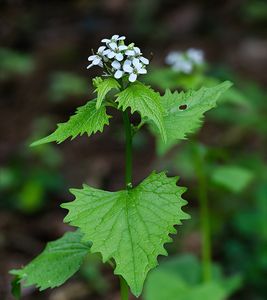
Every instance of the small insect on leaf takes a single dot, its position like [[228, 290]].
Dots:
[[183, 107]]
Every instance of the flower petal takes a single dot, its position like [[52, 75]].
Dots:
[[121, 38], [115, 37], [137, 64], [105, 41], [116, 65], [132, 77], [187, 69], [111, 54], [144, 60], [128, 62], [142, 71], [119, 56], [122, 47], [90, 66], [96, 61], [91, 57], [118, 74], [113, 46], [101, 49], [173, 56], [130, 52], [127, 68], [106, 52], [195, 55], [183, 66], [137, 50]]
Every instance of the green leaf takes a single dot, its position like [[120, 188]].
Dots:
[[180, 278], [234, 178], [13, 62], [67, 84], [183, 112], [130, 226], [57, 263], [143, 99], [86, 120], [103, 86]]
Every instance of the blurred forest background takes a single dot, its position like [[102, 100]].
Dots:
[[44, 47]]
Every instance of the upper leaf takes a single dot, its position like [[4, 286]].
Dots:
[[143, 99], [183, 112], [103, 86], [86, 120], [57, 263], [130, 226]]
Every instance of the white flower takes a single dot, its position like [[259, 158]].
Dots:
[[115, 38], [115, 51], [116, 65], [133, 51], [96, 60], [179, 62], [118, 74], [117, 69], [144, 60], [127, 65], [134, 68], [182, 65], [195, 55], [101, 50], [172, 57], [185, 61], [118, 59]]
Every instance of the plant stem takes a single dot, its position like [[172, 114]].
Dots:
[[128, 155], [128, 182], [206, 252], [124, 289]]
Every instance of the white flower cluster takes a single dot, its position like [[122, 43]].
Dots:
[[119, 60], [185, 61]]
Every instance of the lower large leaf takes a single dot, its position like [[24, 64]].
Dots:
[[130, 226], [58, 262]]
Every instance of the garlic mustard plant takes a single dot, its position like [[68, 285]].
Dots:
[[185, 62], [129, 227]]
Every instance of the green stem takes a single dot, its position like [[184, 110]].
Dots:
[[206, 252], [128, 182], [128, 155], [124, 289]]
